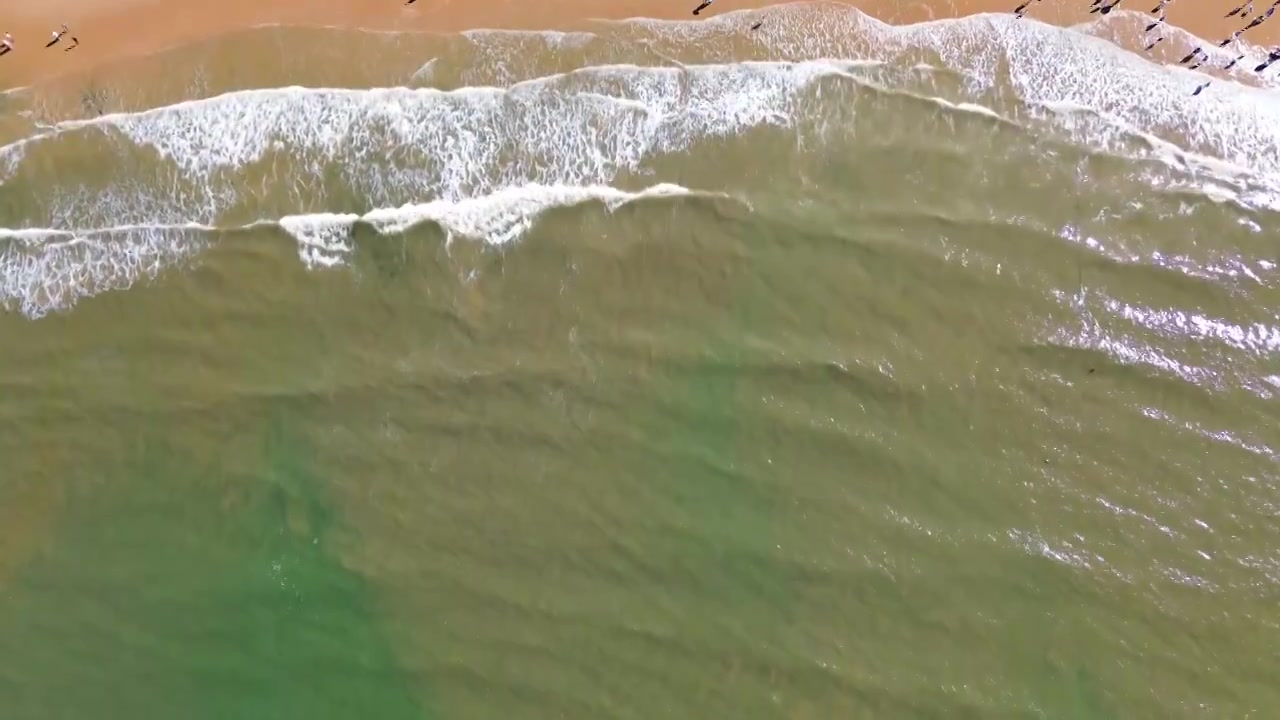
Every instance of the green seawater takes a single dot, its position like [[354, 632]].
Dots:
[[907, 412]]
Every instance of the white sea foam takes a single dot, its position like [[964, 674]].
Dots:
[[1049, 67], [1128, 29], [500, 56], [43, 271], [578, 128], [498, 218], [552, 39], [484, 160], [1046, 66], [477, 148], [425, 73]]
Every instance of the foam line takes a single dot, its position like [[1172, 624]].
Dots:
[[485, 161], [497, 219], [48, 270]]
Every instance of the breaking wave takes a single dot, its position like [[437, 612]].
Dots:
[[483, 161], [45, 270]]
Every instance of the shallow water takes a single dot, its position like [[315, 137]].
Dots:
[[662, 370]]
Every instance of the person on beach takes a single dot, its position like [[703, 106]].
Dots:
[[705, 4], [1262, 18], [1243, 11], [1273, 56], [6, 45], [57, 35], [1105, 9]]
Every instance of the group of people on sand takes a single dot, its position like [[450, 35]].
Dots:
[[6, 43], [1197, 56]]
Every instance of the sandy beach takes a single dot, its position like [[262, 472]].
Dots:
[[113, 30]]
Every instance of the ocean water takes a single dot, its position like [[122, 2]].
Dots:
[[643, 370]]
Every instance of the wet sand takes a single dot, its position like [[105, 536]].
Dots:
[[121, 28]]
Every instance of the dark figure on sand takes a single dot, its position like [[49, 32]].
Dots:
[[56, 37], [6, 45], [1242, 11], [705, 4], [75, 43], [1263, 17]]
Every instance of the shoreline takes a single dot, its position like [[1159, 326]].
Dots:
[[112, 32]]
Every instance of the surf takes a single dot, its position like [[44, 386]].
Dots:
[[317, 159]]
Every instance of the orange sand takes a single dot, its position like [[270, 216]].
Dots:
[[110, 29]]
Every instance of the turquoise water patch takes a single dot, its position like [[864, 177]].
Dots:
[[190, 591]]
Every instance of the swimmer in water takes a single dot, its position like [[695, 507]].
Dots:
[[1154, 43], [757, 26], [1201, 87]]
